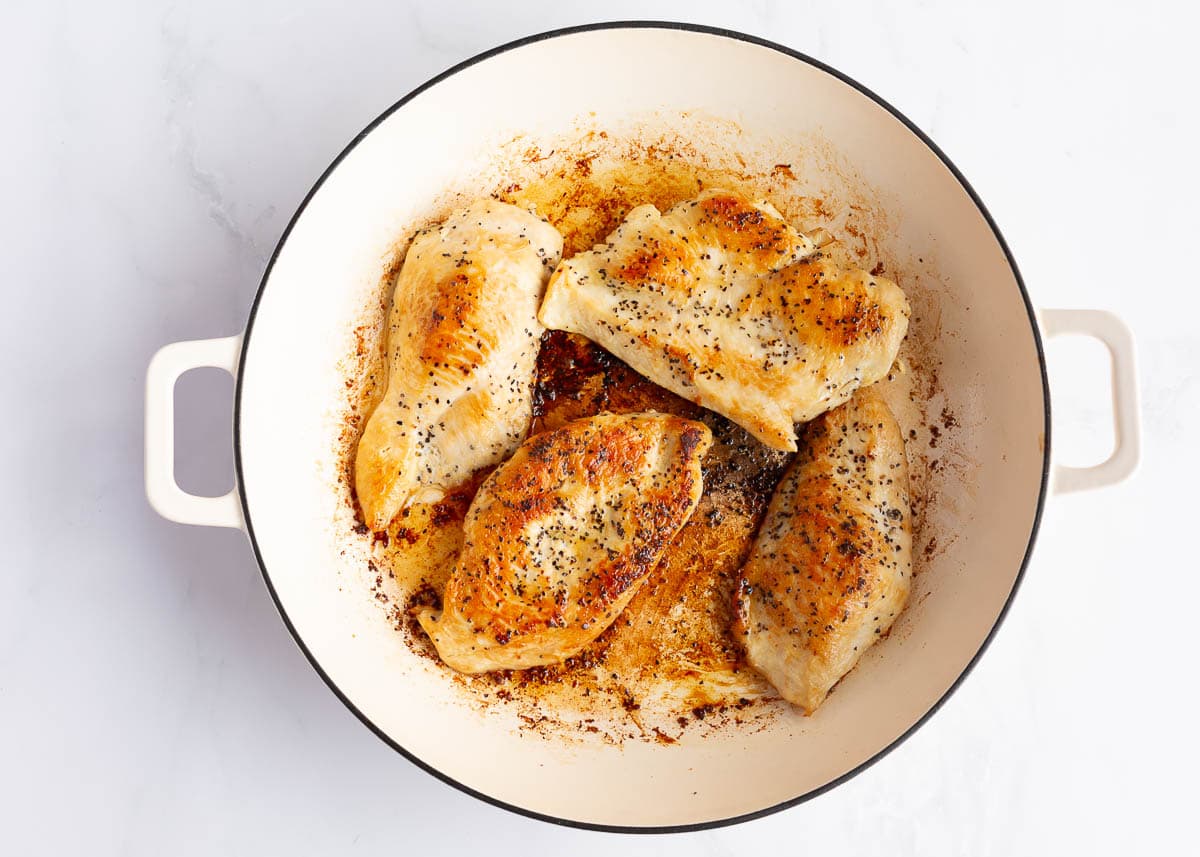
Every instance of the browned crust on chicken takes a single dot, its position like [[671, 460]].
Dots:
[[720, 301], [831, 567], [560, 537]]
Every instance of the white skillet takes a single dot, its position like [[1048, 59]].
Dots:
[[289, 363]]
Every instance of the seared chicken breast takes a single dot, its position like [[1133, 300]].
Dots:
[[462, 344], [722, 302], [831, 567], [561, 536]]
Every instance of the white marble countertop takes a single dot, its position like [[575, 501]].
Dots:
[[151, 701]]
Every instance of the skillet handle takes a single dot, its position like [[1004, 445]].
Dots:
[[1127, 430], [163, 492]]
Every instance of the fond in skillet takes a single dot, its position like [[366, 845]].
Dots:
[[715, 299]]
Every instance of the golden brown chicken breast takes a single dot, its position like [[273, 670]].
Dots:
[[462, 343], [723, 303], [560, 537], [831, 567]]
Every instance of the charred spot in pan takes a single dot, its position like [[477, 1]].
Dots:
[[423, 596], [628, 701], [737, 462], [409, 536], [567, 359]]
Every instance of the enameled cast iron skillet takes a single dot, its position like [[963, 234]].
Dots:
[[289, 367]]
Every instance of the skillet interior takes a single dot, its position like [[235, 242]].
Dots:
[[669, 664]]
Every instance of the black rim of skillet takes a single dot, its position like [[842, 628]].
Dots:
[[712, 31]]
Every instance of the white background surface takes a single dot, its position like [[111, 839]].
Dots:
[[151, 701]]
